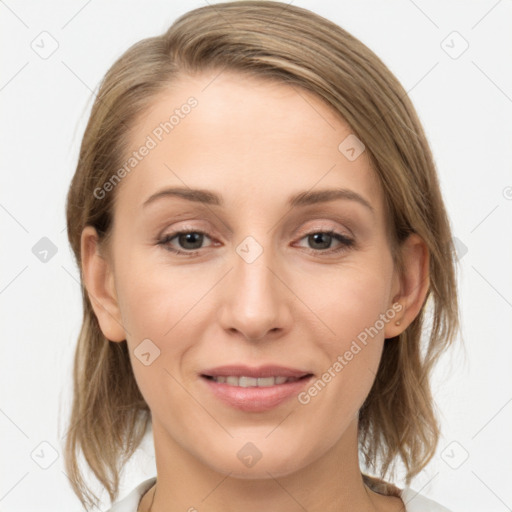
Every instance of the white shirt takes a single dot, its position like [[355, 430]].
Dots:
[[413, 501]]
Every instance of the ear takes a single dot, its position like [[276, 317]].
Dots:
[[99, 281], [410, 288]]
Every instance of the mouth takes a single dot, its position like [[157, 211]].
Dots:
[[254, 389], [253, 382]]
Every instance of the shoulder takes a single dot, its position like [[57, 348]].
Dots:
[[130, 502], [415, 502]]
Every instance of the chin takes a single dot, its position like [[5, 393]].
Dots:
[[264, 468]]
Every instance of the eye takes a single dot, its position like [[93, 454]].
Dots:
[[189, 240], [321, 240]]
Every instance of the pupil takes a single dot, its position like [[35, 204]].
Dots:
[[317, 237], [189, 238]]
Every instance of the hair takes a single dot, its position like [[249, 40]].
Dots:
[[271, 40]]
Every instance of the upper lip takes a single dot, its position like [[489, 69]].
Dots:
[[252, 371]]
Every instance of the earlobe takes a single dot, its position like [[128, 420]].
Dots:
[[99, 282], [413, 284]]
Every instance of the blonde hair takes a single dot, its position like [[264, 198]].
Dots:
[[295, 46]]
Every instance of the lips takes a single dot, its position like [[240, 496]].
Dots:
[[253, 389], [259, 372], [249, 382]]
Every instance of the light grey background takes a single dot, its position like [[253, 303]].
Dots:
[[465, 104]]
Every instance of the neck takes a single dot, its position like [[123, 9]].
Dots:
[[333, 482]]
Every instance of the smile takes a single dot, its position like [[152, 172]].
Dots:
[[249, 382], [254, 394]]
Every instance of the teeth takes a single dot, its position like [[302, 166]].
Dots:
[[247, 382], [266, 381]]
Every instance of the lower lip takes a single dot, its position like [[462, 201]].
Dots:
[[256, 399]]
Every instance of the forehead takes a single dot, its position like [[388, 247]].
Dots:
[[243, 136]]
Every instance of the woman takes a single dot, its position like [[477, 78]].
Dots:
[[260, 231]]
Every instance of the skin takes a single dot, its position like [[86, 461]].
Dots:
[[255, 143]]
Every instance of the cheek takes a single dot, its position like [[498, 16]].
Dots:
[[350, 304], [348, 300], [154, 298], [157, 303], [155, 314]]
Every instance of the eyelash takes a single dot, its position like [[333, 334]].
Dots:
[[346, 243]]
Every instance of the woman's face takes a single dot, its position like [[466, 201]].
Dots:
[[259, 281]]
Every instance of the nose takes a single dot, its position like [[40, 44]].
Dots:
[[255, 301]]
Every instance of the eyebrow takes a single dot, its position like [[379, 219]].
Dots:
[[305, 198]]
